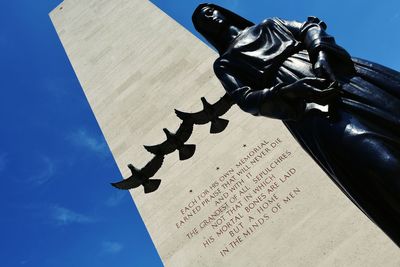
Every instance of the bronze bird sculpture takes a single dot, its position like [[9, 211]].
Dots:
[[142, 176], [210, 113], [176, 141]]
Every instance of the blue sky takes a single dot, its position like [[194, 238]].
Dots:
[[57, 206]]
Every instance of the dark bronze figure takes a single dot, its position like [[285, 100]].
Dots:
[[287, 70], [142, 176], [210, 113], [176, 141]]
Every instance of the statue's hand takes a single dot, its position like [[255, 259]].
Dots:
[[322, 68], [289, 102], [311, 90]]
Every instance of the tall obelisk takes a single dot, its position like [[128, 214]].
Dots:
[[249, 195]]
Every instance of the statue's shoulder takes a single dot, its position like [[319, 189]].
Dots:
[[273, 21]]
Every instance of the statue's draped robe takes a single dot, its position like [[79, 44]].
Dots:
[[357, 142]]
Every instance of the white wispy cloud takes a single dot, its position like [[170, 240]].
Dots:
[[46, 173], [3, 161], [112, 247], [63, 216], [82, 139], [116, 198], [55, 85]]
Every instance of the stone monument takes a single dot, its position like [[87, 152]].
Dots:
[[249, 195]]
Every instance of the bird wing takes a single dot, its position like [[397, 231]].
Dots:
[[164, 148], [184, 131], [129, 183], [183, 115], [152, 166], [196, 117], [223, 105]]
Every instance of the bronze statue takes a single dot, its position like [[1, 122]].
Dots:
[[291, 71]]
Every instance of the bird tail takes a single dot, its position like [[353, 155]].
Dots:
[[218, 125], [186, 151], [151, 185]]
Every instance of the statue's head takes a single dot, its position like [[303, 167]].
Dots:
[[213, 22]]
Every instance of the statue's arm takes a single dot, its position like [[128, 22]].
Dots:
[[282, 101], [266, 102]]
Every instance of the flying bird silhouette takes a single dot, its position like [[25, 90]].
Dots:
[[142, 176], [176, 141], [210, 113]]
